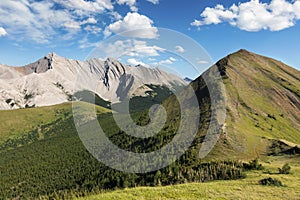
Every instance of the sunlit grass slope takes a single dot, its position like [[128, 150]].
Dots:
[[263, 105], [247, 188], [15, 123]]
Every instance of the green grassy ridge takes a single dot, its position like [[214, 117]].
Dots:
[[262, 96], [247, 188], [15, 124]]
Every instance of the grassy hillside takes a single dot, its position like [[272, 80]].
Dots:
[[14, 123], [247, 188], [17, 123], [263, 105]]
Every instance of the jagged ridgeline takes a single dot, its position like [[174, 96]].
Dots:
[[45, 156], [53, 80]]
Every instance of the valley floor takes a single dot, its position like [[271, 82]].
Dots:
[[247, 188]]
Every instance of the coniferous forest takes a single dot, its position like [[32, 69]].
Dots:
[[58, 165]]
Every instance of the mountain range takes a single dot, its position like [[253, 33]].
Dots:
[[53, 80], [262, 94]]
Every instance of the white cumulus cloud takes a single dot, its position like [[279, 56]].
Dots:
[[135, 24], [179, 49], [173, 59], [93, 29], [35, 20], [253, 15], [133, 48], [154, 1], [202, 62], [41, 21], [130, 3], [134, 62], [90, 20], [168, 61], [83, 7], [2, 32]]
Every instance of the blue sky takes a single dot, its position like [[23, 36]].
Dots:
[[30, 29]]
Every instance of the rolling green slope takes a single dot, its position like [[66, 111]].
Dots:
[[262, 107], [18, 127], [248, 188], [14, 123], [263, 103]]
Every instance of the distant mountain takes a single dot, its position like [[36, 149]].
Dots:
[[51, 80], [187, 79]]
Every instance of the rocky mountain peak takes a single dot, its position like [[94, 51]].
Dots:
[[51, 55], [51, 80], [42, 65]]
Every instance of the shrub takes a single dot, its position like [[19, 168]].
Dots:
[[28, 96], [253, 165], [271, 182], [8, 101], [286, 169], [272, 116]]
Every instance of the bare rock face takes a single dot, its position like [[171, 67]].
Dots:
[[54, 79], [41, 66]]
